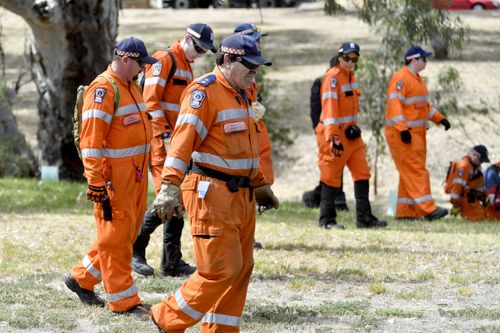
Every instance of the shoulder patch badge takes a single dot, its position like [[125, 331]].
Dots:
[[99, 94], [197, 98], [333, 83], [399, 85], [157, 68]]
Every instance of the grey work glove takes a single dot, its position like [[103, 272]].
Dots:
[[265, 197], [168, 202]]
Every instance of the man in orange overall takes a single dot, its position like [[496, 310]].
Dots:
[[466, 186], [115, 151], [162, 96], [492, 185], [217, 130], [406, 121], [340, 143]]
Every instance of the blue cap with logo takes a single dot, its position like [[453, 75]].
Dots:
[[348, 47], [134, 48], [483, 153], [203, 34], [416, 51], [249, 29], [245, 47]]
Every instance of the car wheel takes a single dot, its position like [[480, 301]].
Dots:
[[478, 7], [182, 4]]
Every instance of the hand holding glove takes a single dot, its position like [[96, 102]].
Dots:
[[406, 136], [168, 202], [265, 197], [337, 147], [445, 123], [96, 193]]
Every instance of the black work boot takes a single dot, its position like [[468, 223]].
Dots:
[[141, 311], [312, 198], [140, 265], [327, 212], [364, 216], [87, 297], [171, 262], [149, 225], [438, 213], [182, 268]]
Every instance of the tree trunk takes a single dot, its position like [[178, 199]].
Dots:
[[72, 42]]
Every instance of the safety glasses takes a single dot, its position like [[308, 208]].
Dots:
[[246, 63], [139, 62], [349, 59], [198, 48]]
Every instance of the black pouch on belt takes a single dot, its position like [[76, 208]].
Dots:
[[352, 132], [232, 184]]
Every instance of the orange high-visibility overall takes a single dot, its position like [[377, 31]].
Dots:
[[408, 108], [467, 177], [162, 99], [115, 151], [339, 109], [216, 128]]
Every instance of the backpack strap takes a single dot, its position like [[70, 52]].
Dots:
[[115, 88], [173, 68]]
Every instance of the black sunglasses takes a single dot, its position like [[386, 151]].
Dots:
[[423, 59], [347, 59], [247, 64], [198, 48], [141, 63]]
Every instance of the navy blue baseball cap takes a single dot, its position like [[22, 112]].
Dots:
[[203, 34], [249, 29], [483, 153], [244, 46], [134, 48], [416, 51], [348, 47]]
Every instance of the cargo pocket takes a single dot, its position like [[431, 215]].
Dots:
[[208, 243]]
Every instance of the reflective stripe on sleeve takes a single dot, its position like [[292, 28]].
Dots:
[[408, 100], [100, 114], [186, 308], [130, 291], [155, 80], [170, 106], [330, 94], [341, 120], [432, 112], [175, 162], [233, 164], [460, 181], [394, 120], [157, 114], [454, 196], [221, 319], [90, 268], [195, 121], [416, 123], [349, 87]]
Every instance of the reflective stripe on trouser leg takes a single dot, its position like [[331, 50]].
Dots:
[[224, 264]]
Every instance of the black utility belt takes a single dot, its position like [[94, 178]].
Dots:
[[233, 183]]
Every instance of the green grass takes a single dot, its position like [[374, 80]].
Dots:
[[305, 279]]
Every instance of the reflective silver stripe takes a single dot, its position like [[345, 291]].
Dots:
[[330, 94], [170, 106], [432, 112], [94, 113], [91, 152], [454, 196], [416, 123], [195, 121], [341, 120], [186, 74], [416, 201], [155, 80], [131, 108], [90, 268], [131, 291], [157, 114], [251, 114], [216, 318], [408, 100], [186, 308], [175, 163], [349, 87], [230, 114], [395, 120], [233, 164], [460, 181], [415, 99], [115, 153]]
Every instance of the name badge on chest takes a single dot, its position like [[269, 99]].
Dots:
[[234, 127], [131, 119]]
